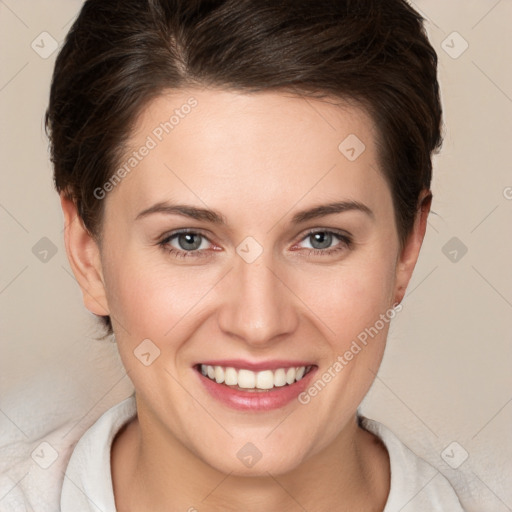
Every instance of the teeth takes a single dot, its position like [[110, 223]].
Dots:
[[247, 379], [290, 375], [219, 374], [265, 379], [280, 378], [230, 376]]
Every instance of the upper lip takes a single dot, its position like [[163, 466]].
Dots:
[[242, 364]]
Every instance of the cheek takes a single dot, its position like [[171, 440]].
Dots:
[[350, 298], [150, 300]]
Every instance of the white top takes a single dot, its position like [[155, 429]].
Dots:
[[415, 485]]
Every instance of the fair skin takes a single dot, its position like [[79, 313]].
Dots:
[[257, 160]]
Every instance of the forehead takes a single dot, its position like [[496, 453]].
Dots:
[[235, 119], [249, 151]]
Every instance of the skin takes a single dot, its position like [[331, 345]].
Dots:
[[257, 160]]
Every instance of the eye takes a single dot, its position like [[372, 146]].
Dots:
[[321, 242], [189, 243], [185, 243]]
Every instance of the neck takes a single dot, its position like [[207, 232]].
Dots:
[[152, 470]]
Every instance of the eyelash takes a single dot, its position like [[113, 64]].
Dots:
[[344, 239]]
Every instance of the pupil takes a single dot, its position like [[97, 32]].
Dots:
[[321, 240], [186, 241]]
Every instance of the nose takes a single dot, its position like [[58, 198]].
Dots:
[[257, 307]]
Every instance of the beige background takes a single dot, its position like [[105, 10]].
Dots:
[[446, 375]]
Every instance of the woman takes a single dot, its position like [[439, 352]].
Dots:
[[246, 187]]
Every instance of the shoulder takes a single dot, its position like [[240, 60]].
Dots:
[[415, 484], [87, 480], [39, 470], [32, 466]]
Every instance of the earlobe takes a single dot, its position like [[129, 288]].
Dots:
[[84, 258], [411, 249]]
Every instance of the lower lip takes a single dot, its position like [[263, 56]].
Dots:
[[256, 400]]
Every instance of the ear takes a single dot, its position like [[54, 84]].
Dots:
[[409, 254], [84, 258]]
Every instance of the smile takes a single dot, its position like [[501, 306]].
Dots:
[[247, 380], [256, 387]]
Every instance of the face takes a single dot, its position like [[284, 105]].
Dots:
[[247, 244]]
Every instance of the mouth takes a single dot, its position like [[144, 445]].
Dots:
[[255, 387], [244, 379]]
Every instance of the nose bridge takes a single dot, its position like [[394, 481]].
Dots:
[[258, 307]]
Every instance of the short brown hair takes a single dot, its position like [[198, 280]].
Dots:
[[121, 54]]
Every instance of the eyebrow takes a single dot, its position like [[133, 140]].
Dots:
[[213, 216], [331, 208]]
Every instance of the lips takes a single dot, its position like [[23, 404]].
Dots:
[[255, 386]]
